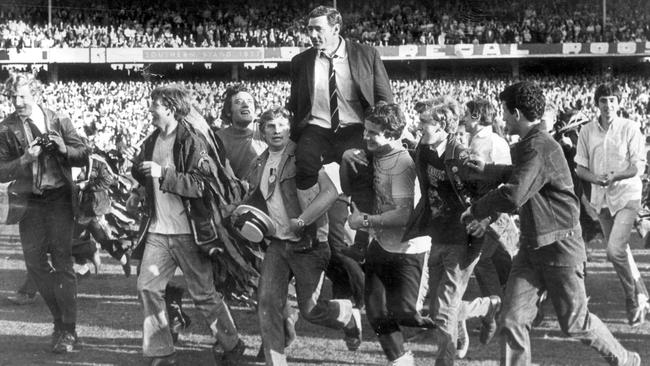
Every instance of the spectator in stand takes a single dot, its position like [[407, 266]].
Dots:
[[108, 111], [195, 24]]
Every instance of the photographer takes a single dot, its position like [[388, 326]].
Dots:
[[38, 147]]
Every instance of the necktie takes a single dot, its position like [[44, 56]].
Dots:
[[31, 132], [334, 103]]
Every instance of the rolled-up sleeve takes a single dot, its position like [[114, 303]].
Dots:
[[636, 153]]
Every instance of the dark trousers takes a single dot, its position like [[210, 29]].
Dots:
[[318, 146], [566, 290], [47, 228], [345, 273], [395, 286]]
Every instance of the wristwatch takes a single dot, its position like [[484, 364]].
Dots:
[[366, 222]]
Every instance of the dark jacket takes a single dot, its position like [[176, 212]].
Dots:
[[286, 178], [185, 180], [13, 144], [95, 195], [539, 185], [368, 75], [445, 228]]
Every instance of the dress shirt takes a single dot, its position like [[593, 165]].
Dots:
[[490, 147], [611, 150], [350, 110]]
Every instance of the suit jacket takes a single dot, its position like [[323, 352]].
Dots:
[[13, 144], [368, 76]]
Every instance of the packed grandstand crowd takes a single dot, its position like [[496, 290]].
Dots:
[[111, 114], [258, 23]]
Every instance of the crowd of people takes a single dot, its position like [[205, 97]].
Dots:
[[111, 113], [267, 24], [274, 195]]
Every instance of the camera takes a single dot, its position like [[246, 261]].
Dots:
[[46, 143]]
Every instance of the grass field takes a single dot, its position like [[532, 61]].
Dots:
[[110, 318]]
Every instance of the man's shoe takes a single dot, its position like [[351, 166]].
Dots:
[[67, 342], [169, 360], [488, 323], [633, 359], [462, 343], [232, 357], [404, 360], [353, 335], [636, 314], [22, 299], [54, 338]]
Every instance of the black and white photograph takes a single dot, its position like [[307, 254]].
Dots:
[[345, 182]]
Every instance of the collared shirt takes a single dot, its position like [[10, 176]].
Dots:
[[612, 150], [490, 147], [350, 110], [45, 171]]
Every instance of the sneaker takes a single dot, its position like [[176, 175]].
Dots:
[[633, 359], [22, 299], [462, 343], [488, 323], [404, 360], [232, 357], [67, 342], [353, 335]]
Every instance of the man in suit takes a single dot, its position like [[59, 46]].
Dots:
[[38, 147], [332, 84]]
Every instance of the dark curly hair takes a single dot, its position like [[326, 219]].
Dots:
[[525, 96], [389, 117], [607, 90], [231, 91], [482, 110]]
